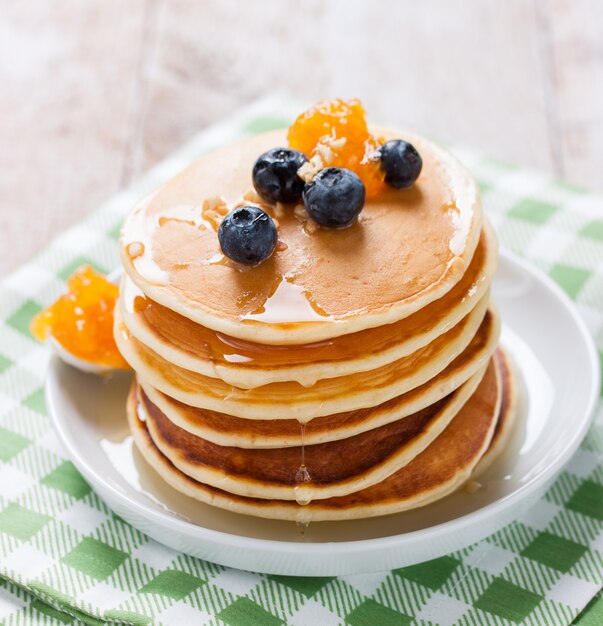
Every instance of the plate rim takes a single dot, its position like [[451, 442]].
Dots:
[[358, 546]]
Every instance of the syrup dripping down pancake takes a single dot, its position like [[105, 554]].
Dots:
[[438, 471], [182, 342], [327, 396], [335, 469], [227, 430]]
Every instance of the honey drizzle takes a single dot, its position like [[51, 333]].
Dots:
[[223, 347], [139, 232], [287, 302], [302, 476], [133, 297], [303, 526]]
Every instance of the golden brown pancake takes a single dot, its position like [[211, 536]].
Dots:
[[227, 430], [327, 396], [508, 414], [441, 468], [191, 346], [330, 469], [408, 248]]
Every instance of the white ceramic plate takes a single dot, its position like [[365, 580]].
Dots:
[[557, 363]]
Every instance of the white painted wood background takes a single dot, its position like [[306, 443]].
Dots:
[[93, 92]]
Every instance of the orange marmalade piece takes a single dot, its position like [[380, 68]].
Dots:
[[82, 319], [335, 134]]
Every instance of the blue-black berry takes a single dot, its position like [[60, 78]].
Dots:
[[247, 235], [275, 175], [401, 163], [335, 197]]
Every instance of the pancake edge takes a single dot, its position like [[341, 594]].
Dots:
[[275, 510], [509, 414], [310, 438], [265, 409], [253, 488], [308, 373]]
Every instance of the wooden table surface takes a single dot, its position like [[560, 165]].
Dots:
[[92, 93]]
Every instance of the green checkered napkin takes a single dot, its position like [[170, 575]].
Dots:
[[66, 559]]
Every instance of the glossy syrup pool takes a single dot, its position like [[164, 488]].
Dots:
[[286, 302]]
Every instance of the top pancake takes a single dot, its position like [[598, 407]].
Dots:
[[408, 248], [245, 364]]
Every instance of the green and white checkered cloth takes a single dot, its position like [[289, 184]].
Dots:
[[66, 559]]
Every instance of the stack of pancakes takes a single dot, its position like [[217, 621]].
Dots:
[[354, 373]]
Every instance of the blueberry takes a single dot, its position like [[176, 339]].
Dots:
[[401, 163], [275, 175], [335, 197], [247, 235]]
